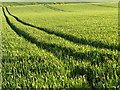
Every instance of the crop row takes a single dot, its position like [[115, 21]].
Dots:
[[74, 39], [35, 38], [50, 7], [67, 64], [102, 33]]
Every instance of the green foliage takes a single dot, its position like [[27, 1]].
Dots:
[[1, 5], [73, 48], [61, 3], [34, 3], [5, 5], [54, 3], [11, 5]]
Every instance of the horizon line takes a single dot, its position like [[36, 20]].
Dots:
[[60, 1]]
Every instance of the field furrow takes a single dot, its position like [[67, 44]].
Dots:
[[56, 46], [104, 36], [45, 48], [53, 8], [97, 44]]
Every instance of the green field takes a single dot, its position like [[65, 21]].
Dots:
[[0, 47], [72, 45]]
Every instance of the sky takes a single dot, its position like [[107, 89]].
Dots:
[[59, 0]]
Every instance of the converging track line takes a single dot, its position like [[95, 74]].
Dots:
[[51, 47], [65, 51], [103, 5], [53, 8], [97, 44]]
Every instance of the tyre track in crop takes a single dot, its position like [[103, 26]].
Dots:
[[53, 48], [103, 5], [65, 51], [87, 71], [97, 44], [48, 47], [53, 8]]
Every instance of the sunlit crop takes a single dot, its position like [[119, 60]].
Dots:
[[61, 46]]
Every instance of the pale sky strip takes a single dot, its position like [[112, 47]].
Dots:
[[59, 0]]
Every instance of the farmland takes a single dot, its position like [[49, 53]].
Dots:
[[0, 47], [60, 46]]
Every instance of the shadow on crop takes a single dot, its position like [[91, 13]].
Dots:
[[53, 8], [87, 71], [97, 44], [55, 49], [103, 5], [62, 52]]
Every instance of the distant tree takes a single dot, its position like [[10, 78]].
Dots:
[[0, 5], [11, 5], [54, 3], [5, 5], [33, 3], [61, 3]]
